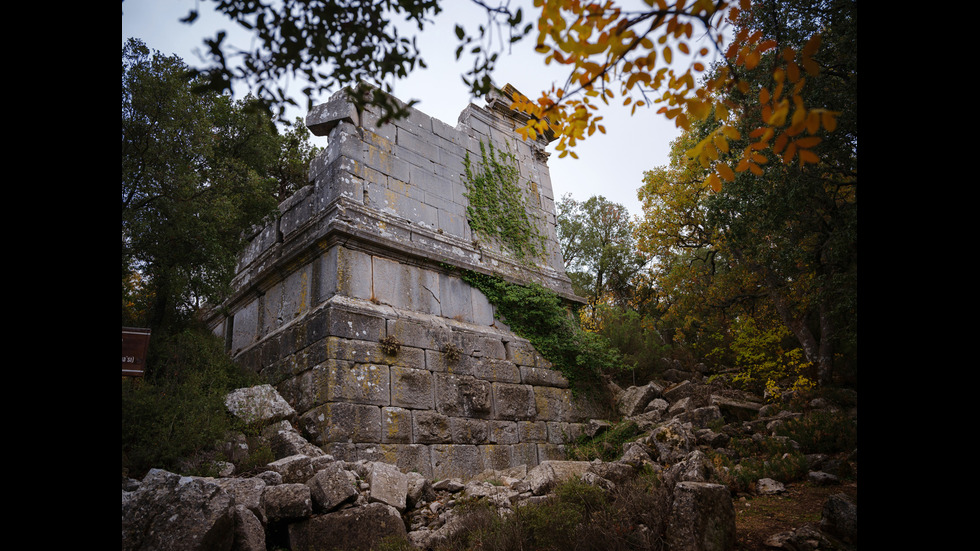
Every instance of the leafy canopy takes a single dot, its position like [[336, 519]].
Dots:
[[198, 171], [616, 54], [659, 53]]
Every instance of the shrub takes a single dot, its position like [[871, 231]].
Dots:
[[577, 516], [607, 446], [826, 432], [636, 339], [177, 410], [765, 364]]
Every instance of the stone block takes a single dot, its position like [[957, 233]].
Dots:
[[287, 501], [429, 333], [553, 404], [396, 425], [494, 370], [409, 458], [388, 485], [372, 352], [462, 396], [341, 451], [468, 431], [539, 376], [325, 117], [455, 460], [560, 432], [532, 431], [551, 452], [521, 353], [497, 457], [503, 432], [456, 298], [346, 272], [702, 518], [479, 345], [245, 326], [343, 422], [431, 427], [330, 487], [513, 402], [525, 454], [357, 383], [411, 388], [354, 325], [355, 528]]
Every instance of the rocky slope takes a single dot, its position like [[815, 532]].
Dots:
[[685, 436]]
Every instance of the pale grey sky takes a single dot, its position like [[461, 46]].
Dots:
[[611, 165]]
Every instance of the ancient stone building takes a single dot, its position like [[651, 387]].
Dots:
[[351, 303]]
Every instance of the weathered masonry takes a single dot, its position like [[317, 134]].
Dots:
[[351, 304]]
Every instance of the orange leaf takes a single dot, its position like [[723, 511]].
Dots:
[[726, 172], [713, 181]]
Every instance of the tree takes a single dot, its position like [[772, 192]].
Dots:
[[198, 170], [778, 242], [600, 252], [612, 54]]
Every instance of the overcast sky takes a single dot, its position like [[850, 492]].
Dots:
[[611, 165]]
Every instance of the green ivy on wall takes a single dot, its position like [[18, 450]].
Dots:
[[496, 203], [540, 316]]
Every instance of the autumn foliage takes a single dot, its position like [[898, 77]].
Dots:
[[664, 55]]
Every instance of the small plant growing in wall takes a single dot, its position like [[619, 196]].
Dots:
[[390, 345], [497, 206], [452, 352]]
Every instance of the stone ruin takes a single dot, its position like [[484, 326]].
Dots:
[[350, 303]]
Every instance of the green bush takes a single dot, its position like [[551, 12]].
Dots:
[[607, 446], [636, 339], [577, 516], [826, 432], [177, 410]]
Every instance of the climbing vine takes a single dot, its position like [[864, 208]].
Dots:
[[497, 207], [539, 315]]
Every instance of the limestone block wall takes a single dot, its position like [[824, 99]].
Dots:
[[351, 303]]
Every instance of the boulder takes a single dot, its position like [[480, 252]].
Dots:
[[287, 502], [249, 532], [356, 528], [672, 441], [635, 398], [548, 474], [295, 469], [702, 518], [388, 485], [331, 487], [839, 518], [258, 404], [173, 512], [736, 410]]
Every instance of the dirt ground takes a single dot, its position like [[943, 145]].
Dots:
[[759, 517]]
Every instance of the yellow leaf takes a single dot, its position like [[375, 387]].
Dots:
[[667, 54], [731, 132], [764, 95]]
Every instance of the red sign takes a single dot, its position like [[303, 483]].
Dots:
[[135, 342]]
